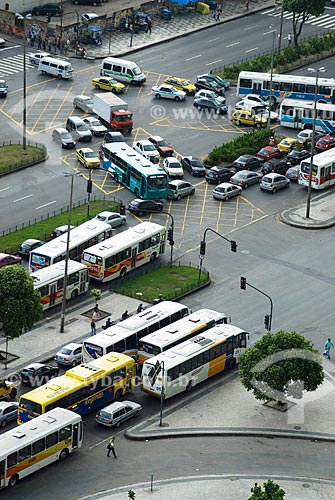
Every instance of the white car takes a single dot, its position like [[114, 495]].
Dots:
[[257, 109], [83, 102], [147, 149], [254, 98], [95, 126], [264, 112], [2, 42], [88, 16], [226, 190], [114, 219], [35, 57], [173, 167], [168, 92], [210, 94]]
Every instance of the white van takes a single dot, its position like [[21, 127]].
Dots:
[[56, 67], [78, 129], [122, 70]]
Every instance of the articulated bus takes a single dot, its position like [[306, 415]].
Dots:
[[146, 180], [292, 86], [193, 361], [26, 449], [82, 389], [323, 170], [125, 251], [49, 281], [153, 344], [125, 336], [81, 237], [298, 114]]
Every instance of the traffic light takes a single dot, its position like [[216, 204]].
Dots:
[[170, 236], [203, 247], [267, 322], [233, 245], [243, 283]]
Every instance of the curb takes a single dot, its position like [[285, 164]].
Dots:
[[286, 219]]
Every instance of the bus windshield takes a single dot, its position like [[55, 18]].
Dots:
[[156, 182]]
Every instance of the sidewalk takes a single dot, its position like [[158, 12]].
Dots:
[[322, 213]]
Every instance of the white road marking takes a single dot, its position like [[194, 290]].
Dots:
[[250, 28], [213, 39], [251, 50], [107, 439], [232, 44], [5, 189], [213, 62], [42, 206], [194, 57], [24, 198], [12, 47]]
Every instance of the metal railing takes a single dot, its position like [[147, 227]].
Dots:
[[24, 162]]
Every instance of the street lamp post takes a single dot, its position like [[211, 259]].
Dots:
[[162, 396], [24, 116], [309, 190], [271, 76], [281, 27], [67, 252]]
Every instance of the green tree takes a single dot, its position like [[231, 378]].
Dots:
[[302, 10], [96, 294], [20, 304], [272, 491], [281, 365], [131, 495]]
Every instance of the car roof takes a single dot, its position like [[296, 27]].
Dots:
[[83, 97], [61, 130], [5, 255], [145, 142], [34, 366], [72, 345], [31, 241], [106, 213], [176, 182], [87, 150], [117, 405], [225, 185], [272, 175], [156, 138], [6, 404]]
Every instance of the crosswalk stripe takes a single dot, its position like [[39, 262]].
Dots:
[[324, 21], [14, 64]]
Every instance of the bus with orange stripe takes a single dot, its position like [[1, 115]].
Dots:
[[125, 251], [33, 445], [188, 364]]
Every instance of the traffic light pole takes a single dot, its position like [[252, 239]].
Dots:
[[233, 247], [243, 285]]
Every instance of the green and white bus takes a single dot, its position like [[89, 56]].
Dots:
[[122, 70]]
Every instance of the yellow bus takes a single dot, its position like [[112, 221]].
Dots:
[[26, 449], [81, 389]]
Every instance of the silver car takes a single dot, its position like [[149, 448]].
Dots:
[[225, 190], [8, 412], [70, 355], [114, 219], [114, 414], [83, 102], [177, 189], [95, 125], [35, 57], [272, 182]]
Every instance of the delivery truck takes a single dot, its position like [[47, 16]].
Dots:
[[113, 111]]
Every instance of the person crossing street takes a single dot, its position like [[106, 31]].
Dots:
[[111, 447]]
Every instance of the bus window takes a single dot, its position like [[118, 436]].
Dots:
[[310, 89], [24, 453], [38, 446], [299, 87], [245, 83], [12, 460], [65, 433], [52, 439]]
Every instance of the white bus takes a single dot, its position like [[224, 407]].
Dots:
[[49, 282], [298, 114], [81, 237], [122, 70], [153, 344], [323, 170], [124, 336], [193, 361], [292, 86], [125, 251], [37, 443]]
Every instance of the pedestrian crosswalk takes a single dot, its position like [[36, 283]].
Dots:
[[14, 64], [325, 21]]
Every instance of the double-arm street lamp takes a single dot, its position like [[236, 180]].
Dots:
[[24, 117], [309, 190]]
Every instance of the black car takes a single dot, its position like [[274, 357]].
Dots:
[[211, 77], [293, 173], [201, 83], [216, 175], [48, 8], [296, 155], [37, 374], [28, 246], [277, 165], [247, 162], [193, 166], [211, 104], [141, 207]]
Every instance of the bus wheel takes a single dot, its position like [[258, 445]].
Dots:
[[153, 257], [63, 455], [59, 76], [13, 480], [123, 272], [118, 395], [74, 294], [189, 386]]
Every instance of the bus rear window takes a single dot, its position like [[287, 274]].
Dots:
[[149, 348], [40, 260], [28, 405], [92, 259]]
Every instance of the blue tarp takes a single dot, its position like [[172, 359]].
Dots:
[[181, 2], [94, 29]]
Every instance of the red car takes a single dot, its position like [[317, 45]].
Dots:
[[163, 147], [7, 259], [269, 152], [326, 142]]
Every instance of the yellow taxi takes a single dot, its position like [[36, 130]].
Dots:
[[243, 117], [287, 144], [108, 83], [181, 84], [88, 158]]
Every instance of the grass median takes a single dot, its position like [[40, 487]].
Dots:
[[13, 157]]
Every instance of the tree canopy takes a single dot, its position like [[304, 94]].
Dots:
[[272, 491], [302, 10], [281, 365], [20, 304]]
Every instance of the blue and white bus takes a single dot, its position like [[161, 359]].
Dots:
[[285, 86], [298, 114], [146, 180]]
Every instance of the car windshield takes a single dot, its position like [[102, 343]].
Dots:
[[104, 414], [162, 143], [323, 141], [90, 154], [101, 217], [185, 82], [295, 153], [66, 135], [2, 84], [137, 71], [95, 123], [88, 102], [265, 152], [113, 81], [173, 165], [66, 351], [240, 175], [149, 147], [196, 163], [267, 179]]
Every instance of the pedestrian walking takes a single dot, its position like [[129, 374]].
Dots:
[[125, 315], [93, 326], [49, 45], [289, 38], [39, 42], [140, 308], [218, 13], [149, 25], [111, 447], [247, 4], [328, 345], [95, 317]]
